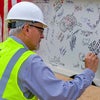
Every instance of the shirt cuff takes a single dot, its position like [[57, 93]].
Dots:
[[90, 74]]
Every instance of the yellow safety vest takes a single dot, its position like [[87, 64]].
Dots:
[[12, 55]]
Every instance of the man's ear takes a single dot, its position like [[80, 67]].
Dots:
[[25, 29]]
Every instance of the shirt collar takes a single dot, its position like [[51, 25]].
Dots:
[[19, 41]]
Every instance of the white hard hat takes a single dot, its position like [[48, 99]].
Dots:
[[27, 11]]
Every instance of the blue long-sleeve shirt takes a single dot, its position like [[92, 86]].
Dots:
[[35, 77]]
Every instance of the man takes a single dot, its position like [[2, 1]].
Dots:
[[23, 74]]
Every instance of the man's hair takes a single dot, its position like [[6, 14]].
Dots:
[[17, 26], [15, 30]]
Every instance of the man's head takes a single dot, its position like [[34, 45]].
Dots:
[[26, 19]]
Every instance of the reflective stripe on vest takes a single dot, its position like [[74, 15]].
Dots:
[[8, 70]]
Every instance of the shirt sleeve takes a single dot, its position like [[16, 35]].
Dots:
[[37, 78]]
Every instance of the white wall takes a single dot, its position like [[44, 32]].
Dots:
[[73, 30]]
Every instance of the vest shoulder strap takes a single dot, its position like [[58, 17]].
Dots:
[[8, 70]]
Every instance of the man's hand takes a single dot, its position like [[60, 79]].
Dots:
[[91, 61]]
